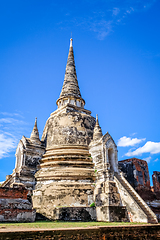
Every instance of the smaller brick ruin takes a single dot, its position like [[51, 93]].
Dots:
[[156, 181], [136, 172], [15, 205]]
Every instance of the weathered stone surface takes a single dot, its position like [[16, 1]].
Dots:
[[104, 155], [155, 206], [70, 84], [112, 214], [118, 214], [111, 190], [65, 194], [97, 134], [135, 213], [84, 214], [65, 177], [70, 91], [68, 126]]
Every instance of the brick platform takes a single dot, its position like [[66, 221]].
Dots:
[[146, 232]]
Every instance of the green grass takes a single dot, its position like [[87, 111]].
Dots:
[[60, 224]]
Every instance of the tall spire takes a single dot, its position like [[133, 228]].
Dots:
[[97, 134], [70, 89], [35, 134]]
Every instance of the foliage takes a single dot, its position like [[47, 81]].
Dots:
[[92, 204]]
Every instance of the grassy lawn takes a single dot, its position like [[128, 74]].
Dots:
[[60, 224]]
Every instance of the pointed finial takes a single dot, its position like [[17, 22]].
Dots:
[[35, 121], [35, 134], [97, 122], [96, 117], [70, 87], [97, 134], [71, 40]]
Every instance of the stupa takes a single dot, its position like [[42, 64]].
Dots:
[[66, 174]]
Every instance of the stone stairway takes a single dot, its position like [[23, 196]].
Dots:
[[149, 213]]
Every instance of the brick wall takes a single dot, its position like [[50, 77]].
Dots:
[[136, 173], [94, 233], [15, 205], [13, 193], [156, 181]]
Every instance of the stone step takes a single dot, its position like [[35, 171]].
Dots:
[[151, 218]]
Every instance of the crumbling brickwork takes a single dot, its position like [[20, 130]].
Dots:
[[156, 181], [136, 172], [13, 193], [15, 205]]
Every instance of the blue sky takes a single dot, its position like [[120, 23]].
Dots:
[[117, 54]]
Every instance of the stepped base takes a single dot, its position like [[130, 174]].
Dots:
[[58, 195], [87, 214]]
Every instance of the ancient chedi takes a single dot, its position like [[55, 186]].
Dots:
[[73, 171], [66, 173]]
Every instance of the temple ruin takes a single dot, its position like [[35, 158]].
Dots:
[[72, 173]]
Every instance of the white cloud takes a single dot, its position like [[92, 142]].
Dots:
[[129, 10], [11, 120], [116, 11], [127, 141], [149, 147], [11, 114], [120, 10], [156, 160], [147, 159], [133, 134], [113, 13], [11, 130], [102, 15], [7, 144], [102, 28]]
